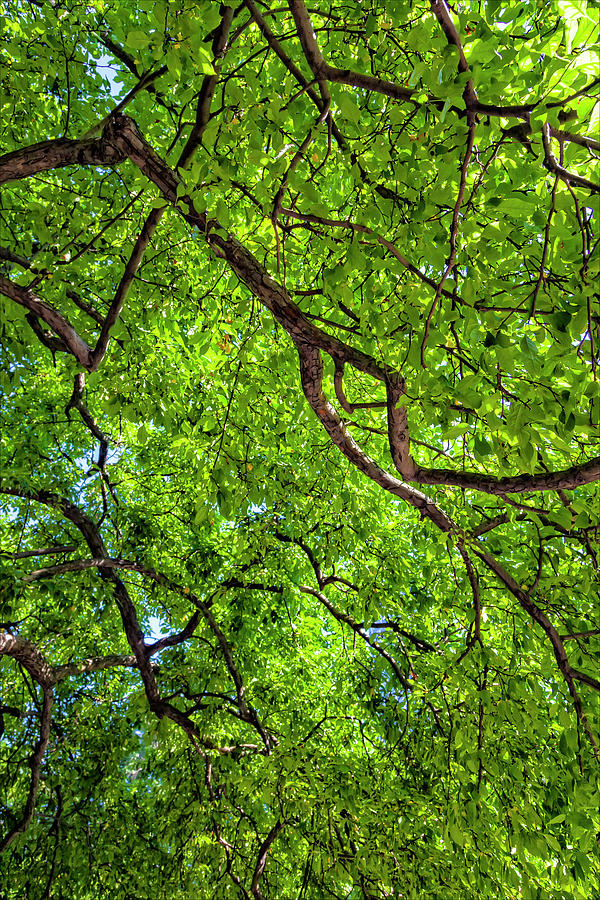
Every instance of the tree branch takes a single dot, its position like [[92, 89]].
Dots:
[[311, 375], [70, 339], [56, 154], [564, 479], [105, 563], [358, 629], [552, 164], [262, 858], [35, 764], [44, 551]]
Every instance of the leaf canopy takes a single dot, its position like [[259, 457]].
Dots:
[[299, 474]]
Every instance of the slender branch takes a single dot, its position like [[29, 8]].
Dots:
[[418, 642], [542, 271], [35, 763], [298, 155], [474, 582], [577, 635], [358, 629], [489, 525], [93, 664], [454, 225], [83, 305], [262, 858], [364, 229], [139, 248], [44, 551], [570, 674], [77, 403], [107, 563], [144, 83], [338, 383], [174, 639]]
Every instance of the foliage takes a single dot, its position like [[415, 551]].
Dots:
[[300, 402]]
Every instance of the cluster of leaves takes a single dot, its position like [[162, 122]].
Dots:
[[238, 656]]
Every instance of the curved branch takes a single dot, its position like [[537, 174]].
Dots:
[[160, 707], [28, 655], [338, 383], [440, 10], [35, 763], [552, 164], [62, 327], [582, 139], [290, 65], [365, 229], [538, 616], [358, 629], [322, 70], [124, 132]]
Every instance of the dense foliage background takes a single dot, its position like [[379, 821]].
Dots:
[[299, 489]]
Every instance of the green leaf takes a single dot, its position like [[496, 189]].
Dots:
[[137, 39]]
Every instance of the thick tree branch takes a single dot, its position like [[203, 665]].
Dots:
[[57, 322], [16, 258], [564, 479], [31, 658], [28, 656], [440, 10], [209, 83], [311, 375], [139, 248], [322, 70], [56, 154], [582, 139], [290, 65], [306, 334]]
